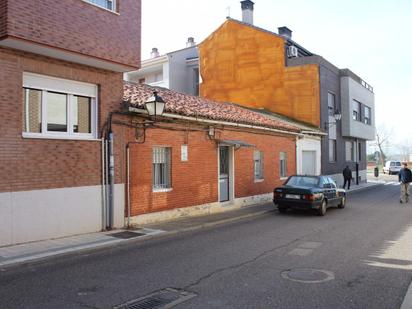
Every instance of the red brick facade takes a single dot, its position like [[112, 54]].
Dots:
[[195, 182], [29, 164], [76, 26]]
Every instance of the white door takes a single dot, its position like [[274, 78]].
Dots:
[[309, 162]]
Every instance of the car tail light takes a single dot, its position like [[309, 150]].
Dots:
[[277, 194], [309, 197]]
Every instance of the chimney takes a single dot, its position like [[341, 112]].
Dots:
[[190, 42], [285, 32], [247, 11], [154, 53]]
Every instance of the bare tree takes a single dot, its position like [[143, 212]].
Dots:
[[383, 140]]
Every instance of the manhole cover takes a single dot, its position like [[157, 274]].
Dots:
[[163, 299], [308, 275], [126, 235]]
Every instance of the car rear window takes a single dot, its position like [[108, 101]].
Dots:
[[302, 181], [398, 163]]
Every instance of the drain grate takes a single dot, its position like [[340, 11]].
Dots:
[[126, 235], [163, 299]]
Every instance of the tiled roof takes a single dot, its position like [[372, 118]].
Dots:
[[192, 106]]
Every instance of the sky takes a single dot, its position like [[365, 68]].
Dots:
[[373, 38]]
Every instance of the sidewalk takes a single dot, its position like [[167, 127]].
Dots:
[[40, 250]]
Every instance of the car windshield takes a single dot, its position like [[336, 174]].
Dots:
[[302, 181]]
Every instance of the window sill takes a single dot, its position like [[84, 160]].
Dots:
[[259, 180], [59, 137], [100, 7], [162, 190], [283, 178]]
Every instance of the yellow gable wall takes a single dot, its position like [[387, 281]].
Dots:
[[245, 65]]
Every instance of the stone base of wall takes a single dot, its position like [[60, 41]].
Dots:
[[199, 210]]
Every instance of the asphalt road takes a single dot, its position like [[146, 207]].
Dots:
[[357, 257]]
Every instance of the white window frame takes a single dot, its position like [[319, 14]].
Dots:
[[70, 88], [283, 165], [258, 165], [113, 9], [167, 151]]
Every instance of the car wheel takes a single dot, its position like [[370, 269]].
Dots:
[[342, 202], [322, 209], [282, 210]]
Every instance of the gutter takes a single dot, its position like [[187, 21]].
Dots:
[[233, 124]]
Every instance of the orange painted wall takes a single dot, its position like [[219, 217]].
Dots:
[[246, 65]]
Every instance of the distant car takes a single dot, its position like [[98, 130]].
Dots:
[[309, 192], [392, 167]]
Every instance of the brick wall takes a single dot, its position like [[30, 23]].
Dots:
[[29, 164], [77, 26], [195, 182]]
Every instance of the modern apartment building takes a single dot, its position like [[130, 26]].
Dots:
[[177, 70], [61, 76]]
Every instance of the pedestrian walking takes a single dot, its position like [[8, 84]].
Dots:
[[405, 177], [347, 176]]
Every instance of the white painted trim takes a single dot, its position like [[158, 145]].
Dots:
[[59, 136], [162, 190]]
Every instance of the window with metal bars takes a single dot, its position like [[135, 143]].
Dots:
[[258, 164], [161, 168], [283, 164]]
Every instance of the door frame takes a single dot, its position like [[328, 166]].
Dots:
[[231, 174]]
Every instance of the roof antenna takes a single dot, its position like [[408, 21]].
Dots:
[[228, 11]]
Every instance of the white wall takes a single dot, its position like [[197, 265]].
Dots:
[[308, 144], [44, 214]]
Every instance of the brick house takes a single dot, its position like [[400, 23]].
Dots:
[[202, 156], [61, 68]]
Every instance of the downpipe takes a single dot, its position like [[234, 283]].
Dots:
[[104, 183], [109, 219]]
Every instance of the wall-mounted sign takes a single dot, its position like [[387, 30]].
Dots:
[[184, 153]]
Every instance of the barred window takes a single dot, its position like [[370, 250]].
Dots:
[[258, 164], [283, 164], [161, 168]]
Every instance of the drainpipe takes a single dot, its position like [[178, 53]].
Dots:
[[109, 220], [104, 196], [128, 186], [357, 163]]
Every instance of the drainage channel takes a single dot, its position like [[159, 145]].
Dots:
[[164, 299]]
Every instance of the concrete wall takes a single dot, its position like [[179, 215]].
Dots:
[[181, 76], [352, 90], [44, 214]]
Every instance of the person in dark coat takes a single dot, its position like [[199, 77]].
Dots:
[[405, 177], [347, 177]]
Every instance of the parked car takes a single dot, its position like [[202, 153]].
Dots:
[[392, 167], [309, 192]]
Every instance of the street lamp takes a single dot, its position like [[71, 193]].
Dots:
[[337, 115], [155, 105]]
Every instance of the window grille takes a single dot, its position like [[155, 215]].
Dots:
[[283, 165], [161, 168]]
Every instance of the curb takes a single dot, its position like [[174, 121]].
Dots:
[[84, 249], [407, 301]]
